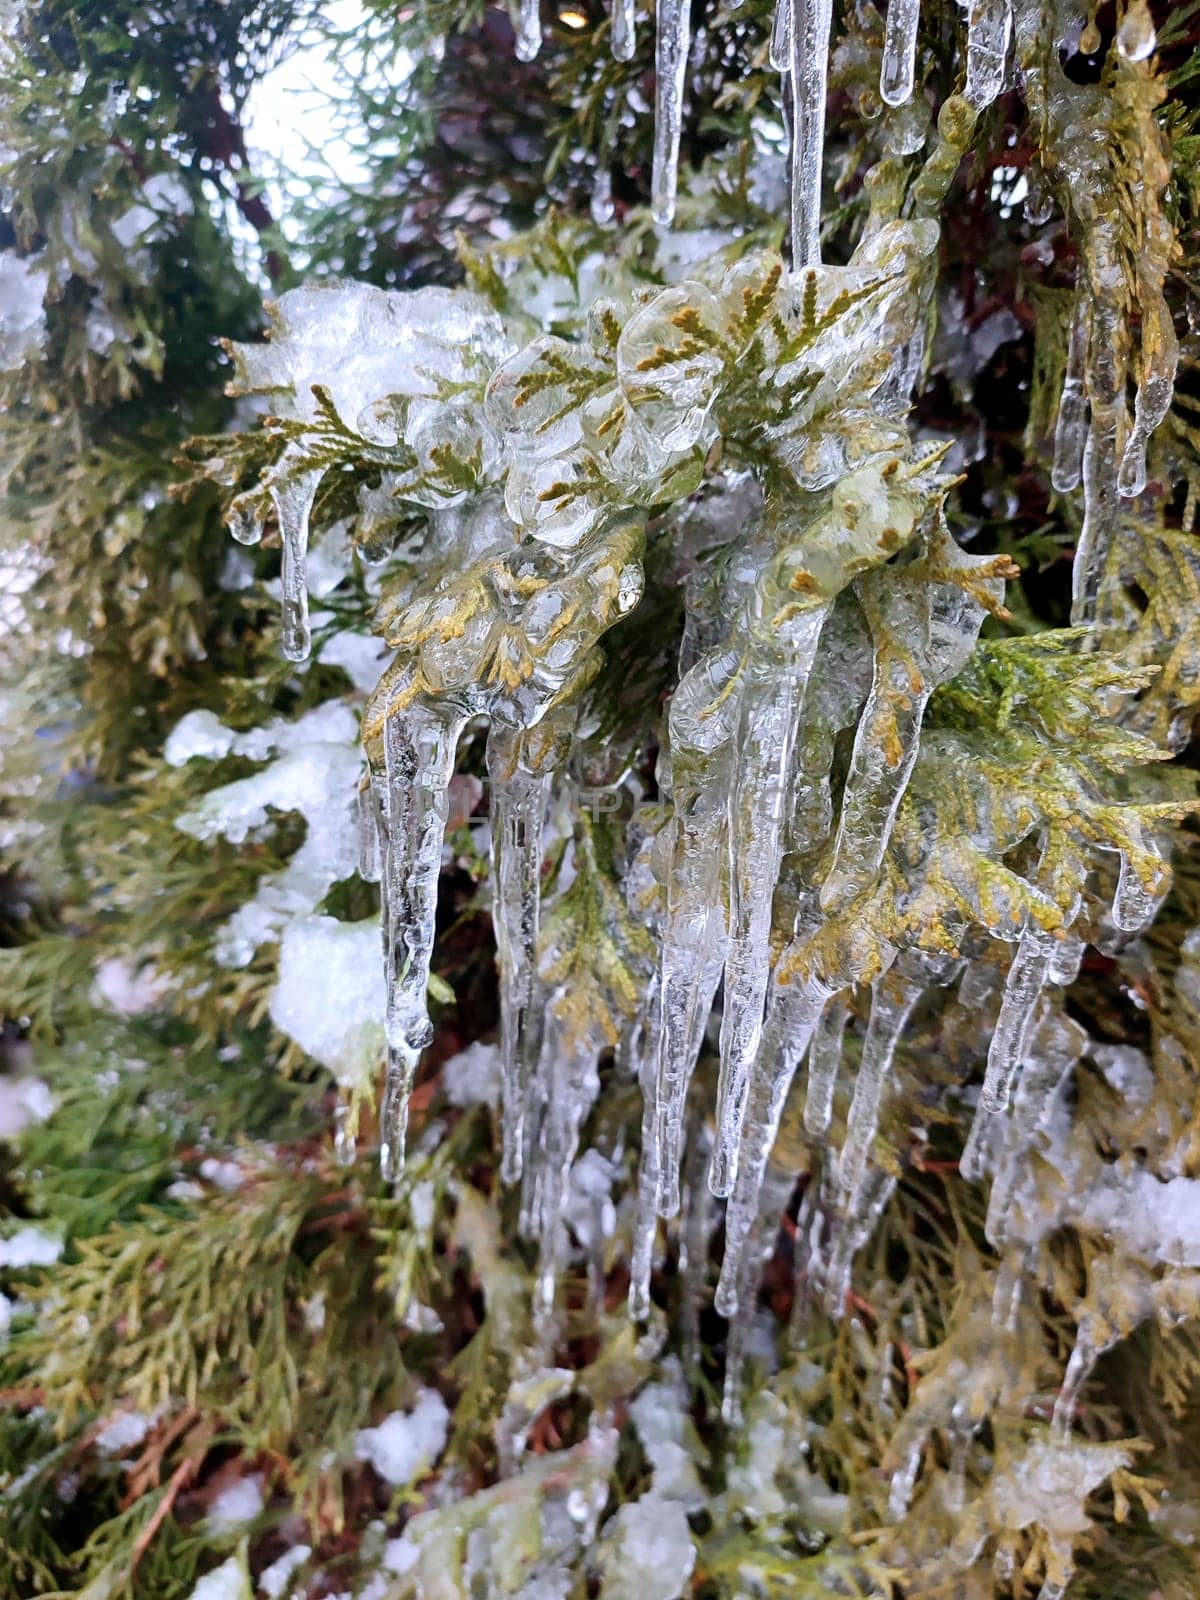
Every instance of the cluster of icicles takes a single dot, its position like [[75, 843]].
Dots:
[[769, 1024], [800, 53], [1088, 448]]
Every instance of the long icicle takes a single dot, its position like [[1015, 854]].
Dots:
[[811, 20], [518, 803], [1027, 977], [758, 806], [824, 1059], [672, 44], [693, 934], [1101, 453], [645, 1222], [1070, 427], [893, 998], [1160, 357], [795, 1011], [293, 500], [419, 745]]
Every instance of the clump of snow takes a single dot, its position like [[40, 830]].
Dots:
[[22, 1101], [664, 1425], [30, 1247], [129, 990], [200, 734], [329, 996], [401, 1555], [226, 1582], [472, 1078], [647, 1551], [362, 656], [406, 1443], [273, 1580], [589, 1210], [316, 774], [237, 1504], [227, 1175], [7, 1309], [124, 1432], [328, 560], [23, 287]]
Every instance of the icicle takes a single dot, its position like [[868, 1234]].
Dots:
[[795, 1011], [518, 803], [1136, 37], [345, 1127], [923, 632], [1066, 959], [673, 42], [776, 1190], [1026, 979], [810, 1232], [293, 499], [368, 835], [624, 29], [602, 195], [567, 1074], [1106, 392], [1039, 199], [858, 1218], [419, 744], [1070, 428], [898, 71], [767, 739], [781, 38], [988, 31], [695, 1231], [1160, 357], [1054, 1051], [645, 1221], [693, 934], [893, 998], [824, 1059], [1079, 1370], [1135, 906], [528, 29], [811, 21]]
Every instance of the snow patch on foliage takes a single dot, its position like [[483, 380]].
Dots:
[[226, 1582], [407, 1442], [320, 957], [30, 1246]]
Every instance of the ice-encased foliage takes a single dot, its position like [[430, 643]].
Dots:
[[859, 803]]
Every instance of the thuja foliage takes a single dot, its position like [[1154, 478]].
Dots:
[[714, 576]]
